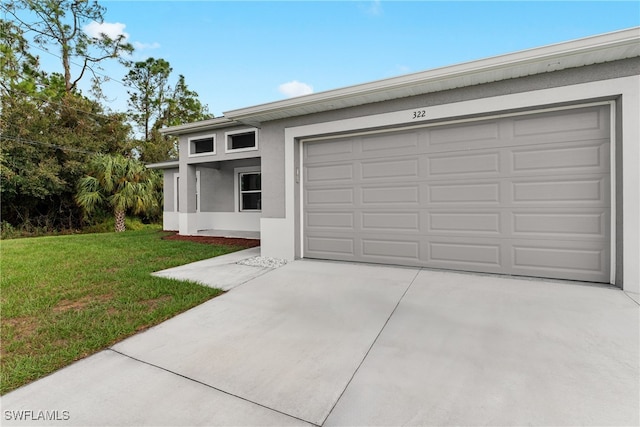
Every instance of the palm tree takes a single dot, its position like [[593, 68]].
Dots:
[[121, 183]]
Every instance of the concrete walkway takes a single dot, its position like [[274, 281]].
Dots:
[[222, 272], [327, 343]]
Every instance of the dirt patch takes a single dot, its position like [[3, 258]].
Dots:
[[223, 241], [23, 326], [79, 304], [154, 303]]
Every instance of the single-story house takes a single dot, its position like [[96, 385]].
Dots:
[[520, 164]]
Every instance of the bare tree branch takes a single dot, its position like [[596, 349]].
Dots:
[[60, 22]]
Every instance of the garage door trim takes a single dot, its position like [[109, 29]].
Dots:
[[444, 122]]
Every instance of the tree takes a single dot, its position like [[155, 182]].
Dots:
[[183, 106], [61, 23], [154, 104], [47, 136], [149, 83], [19, 69], [121, 183]]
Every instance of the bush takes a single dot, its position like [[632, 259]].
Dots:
[[28, 229], [108, 225], [7, 231]]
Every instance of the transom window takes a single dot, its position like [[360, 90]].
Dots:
[[241, 140], [250, 191], [202, 145]]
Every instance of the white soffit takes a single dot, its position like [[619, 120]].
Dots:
[[164, 165], [587, 51], [203, 125]]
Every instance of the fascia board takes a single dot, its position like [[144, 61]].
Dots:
[[164, 165], [204, 125]]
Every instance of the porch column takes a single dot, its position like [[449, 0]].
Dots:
[[187, 200]]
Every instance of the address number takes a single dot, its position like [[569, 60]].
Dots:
[[419, 114]]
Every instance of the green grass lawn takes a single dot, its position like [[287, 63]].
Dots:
[[65, 297]]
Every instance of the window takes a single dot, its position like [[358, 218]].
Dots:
[[241, 140], [250, 191], [202, 145]]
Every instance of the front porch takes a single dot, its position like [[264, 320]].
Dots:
[[238, 234], [214, 198]]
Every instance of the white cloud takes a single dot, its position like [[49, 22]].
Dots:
[[142, 46], [403, 69], [374, 8], [112, 30], [295, 88]]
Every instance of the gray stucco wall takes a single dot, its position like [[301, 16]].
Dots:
[[272, 133], [169, 190], [217, 184], [220, 147], [214, 172]]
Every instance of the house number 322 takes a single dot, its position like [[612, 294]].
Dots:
[[419, 114]]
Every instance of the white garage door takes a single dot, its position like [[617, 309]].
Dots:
[[524, 195]]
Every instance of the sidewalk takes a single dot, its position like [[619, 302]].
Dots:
[[221, 272]]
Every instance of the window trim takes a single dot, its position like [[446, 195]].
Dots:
[[195, 138], [237, 173], [229, 134]]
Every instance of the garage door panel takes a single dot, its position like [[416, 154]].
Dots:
[[399, 143], [569, 158], [330, 173], [561, 259], [385, 221], [464, 193], [456, 222], [484, 163], [575, 224], [391, 249], [384, 195], [328, 151], [526, 195], [557, 258], [562, 190], [460, 137], [330, 245], [464, 254], [330, 220], [329, 196], [400, 168], [551, 125]]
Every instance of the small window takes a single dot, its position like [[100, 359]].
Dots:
[[202, 145], [250, 191], [241, 140]]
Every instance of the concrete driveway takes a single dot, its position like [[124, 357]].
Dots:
[[327, 343]]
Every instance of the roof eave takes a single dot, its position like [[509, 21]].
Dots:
[[527, 62], [203, 125], [164, 165]]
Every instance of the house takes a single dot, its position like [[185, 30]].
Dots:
[[520, 164]]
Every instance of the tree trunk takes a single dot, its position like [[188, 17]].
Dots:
[[120, 221]]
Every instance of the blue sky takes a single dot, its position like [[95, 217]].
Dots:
[[238, 54]]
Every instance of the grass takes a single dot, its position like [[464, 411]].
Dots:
[[65, 297]]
